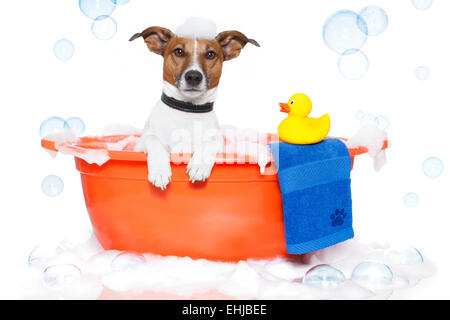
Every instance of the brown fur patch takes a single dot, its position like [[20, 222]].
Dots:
[[174, 66], [211, 67], [156, 38], [232, 42]]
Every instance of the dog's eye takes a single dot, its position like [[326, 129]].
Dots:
[[179, 52], [292, 102], [211, 55]]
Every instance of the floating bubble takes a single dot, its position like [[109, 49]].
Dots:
[[422, 4], [411, 199], [53, 125], [383, 122], [422, 73], [61, 276], [104, 28], [433, 167], [76, 125], [344, 30], [43, 252], [120, 2], [359, 115], [353, 64], [375, 18], [127, 261], [63, 49], [96, 8], [369, 118], [52, 185], [404, 256], [324, 277], [372, 275]]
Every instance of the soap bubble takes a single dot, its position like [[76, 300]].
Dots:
[[433, 167], [324, 277], [353, 64], [104, 28], [127, 261], [52, 185], [342, 31], [372, 275], [61, 276], [359, 114], [404, 256], [76, 125], [383, 122], [53, 125], [96, 8], [375, 18], [63, 49], [43, 252], [422, 4], [369, 118], [422, 73], [120, 2], [411, 199]]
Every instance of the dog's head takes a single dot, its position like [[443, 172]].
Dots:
[[193, 66]]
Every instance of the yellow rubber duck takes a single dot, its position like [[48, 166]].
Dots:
[[297, 128]]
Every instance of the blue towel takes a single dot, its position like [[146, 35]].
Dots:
[[315, 186]]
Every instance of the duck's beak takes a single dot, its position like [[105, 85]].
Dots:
[[285, 107]]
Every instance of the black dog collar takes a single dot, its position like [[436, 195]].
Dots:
[[187, 106]]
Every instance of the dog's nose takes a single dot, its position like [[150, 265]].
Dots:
[[193, 77]]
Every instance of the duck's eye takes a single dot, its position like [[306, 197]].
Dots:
[[179, 52], [292, 102], [211, 55]]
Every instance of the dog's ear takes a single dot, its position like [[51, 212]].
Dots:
[[232, 43], [156, 38]]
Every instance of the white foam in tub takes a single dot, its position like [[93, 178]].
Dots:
[[122, 144], [113, 129], [97, 156], [62, 141]]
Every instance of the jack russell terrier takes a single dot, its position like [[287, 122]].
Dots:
[[183, 120]]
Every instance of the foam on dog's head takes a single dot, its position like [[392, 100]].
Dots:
[[197, 28]]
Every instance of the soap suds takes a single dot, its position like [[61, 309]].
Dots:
[[118, 129], [277, 278], [372, 138], [97, 156], [197, 28]]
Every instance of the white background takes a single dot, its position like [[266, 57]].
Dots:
[[118, 81]]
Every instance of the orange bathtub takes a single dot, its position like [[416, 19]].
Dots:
[[236, 214]]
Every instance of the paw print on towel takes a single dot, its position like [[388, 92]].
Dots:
[[337, 218]]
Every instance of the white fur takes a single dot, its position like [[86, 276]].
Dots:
[[195, 52], [172, 131], [200, 97]]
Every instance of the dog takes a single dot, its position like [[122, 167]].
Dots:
[[183, 120]]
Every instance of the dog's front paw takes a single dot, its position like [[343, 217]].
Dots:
[[159, 178], [198, 170], [159, 170]]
